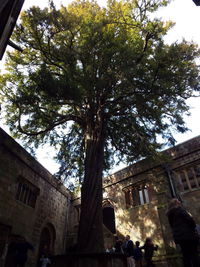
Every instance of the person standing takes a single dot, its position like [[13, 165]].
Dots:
[[138, 254], [21, 248], [184, 232], [129, 251], [149, 249], [45, 261], [118, 245]]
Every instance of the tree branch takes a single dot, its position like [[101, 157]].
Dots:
[[51, 125]]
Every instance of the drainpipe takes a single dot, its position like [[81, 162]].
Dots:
[[66, 230], [172, 186]]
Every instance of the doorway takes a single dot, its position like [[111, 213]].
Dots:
[[47, 240], [109, 218]]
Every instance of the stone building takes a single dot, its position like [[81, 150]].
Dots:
[[33, 204], [136, 197]]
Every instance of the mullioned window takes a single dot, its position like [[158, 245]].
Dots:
[[188, 178], [136, 195], [27, 192]]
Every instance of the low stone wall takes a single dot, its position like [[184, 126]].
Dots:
[[89, 260]]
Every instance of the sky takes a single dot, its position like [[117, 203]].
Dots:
[[186, 15]]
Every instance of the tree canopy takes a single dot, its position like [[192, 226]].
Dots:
[[98, 84]]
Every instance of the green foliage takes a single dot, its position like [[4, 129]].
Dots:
[[84, 65]]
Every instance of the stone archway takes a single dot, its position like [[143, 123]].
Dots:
[[47, 240], [109, 217]]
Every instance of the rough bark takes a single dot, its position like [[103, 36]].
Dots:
[[90, 237]]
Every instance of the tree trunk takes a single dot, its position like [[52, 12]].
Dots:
[[90, 236]]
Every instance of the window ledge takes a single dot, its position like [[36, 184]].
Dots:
[[24, 205], [138, 206], [190, 191]]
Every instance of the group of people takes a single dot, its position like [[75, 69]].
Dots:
[[135, 254], [185, 232], [184, 229]]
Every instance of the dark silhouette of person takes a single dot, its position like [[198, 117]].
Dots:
[[11, 252], [184, 232], [118, 245], [44, 251], [149, 249], [128, 248], [138, 254], [21, 248]]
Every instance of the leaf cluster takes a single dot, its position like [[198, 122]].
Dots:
[[83, 64]]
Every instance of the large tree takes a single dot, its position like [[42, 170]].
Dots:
[[98, 84]]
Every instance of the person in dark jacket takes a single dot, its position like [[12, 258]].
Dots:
[[128, 248], [22, 247], [118, 245], [184, 232], [138, 254], [149, 249]]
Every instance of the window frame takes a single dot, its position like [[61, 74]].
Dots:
[[26, 193], [137, 194], [185, 181]]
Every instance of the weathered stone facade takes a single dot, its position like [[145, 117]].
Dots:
[[33, 203], [139, 195]]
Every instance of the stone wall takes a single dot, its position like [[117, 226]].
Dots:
[[162, 180], [48, 217], [139, 221], [48, 213]]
